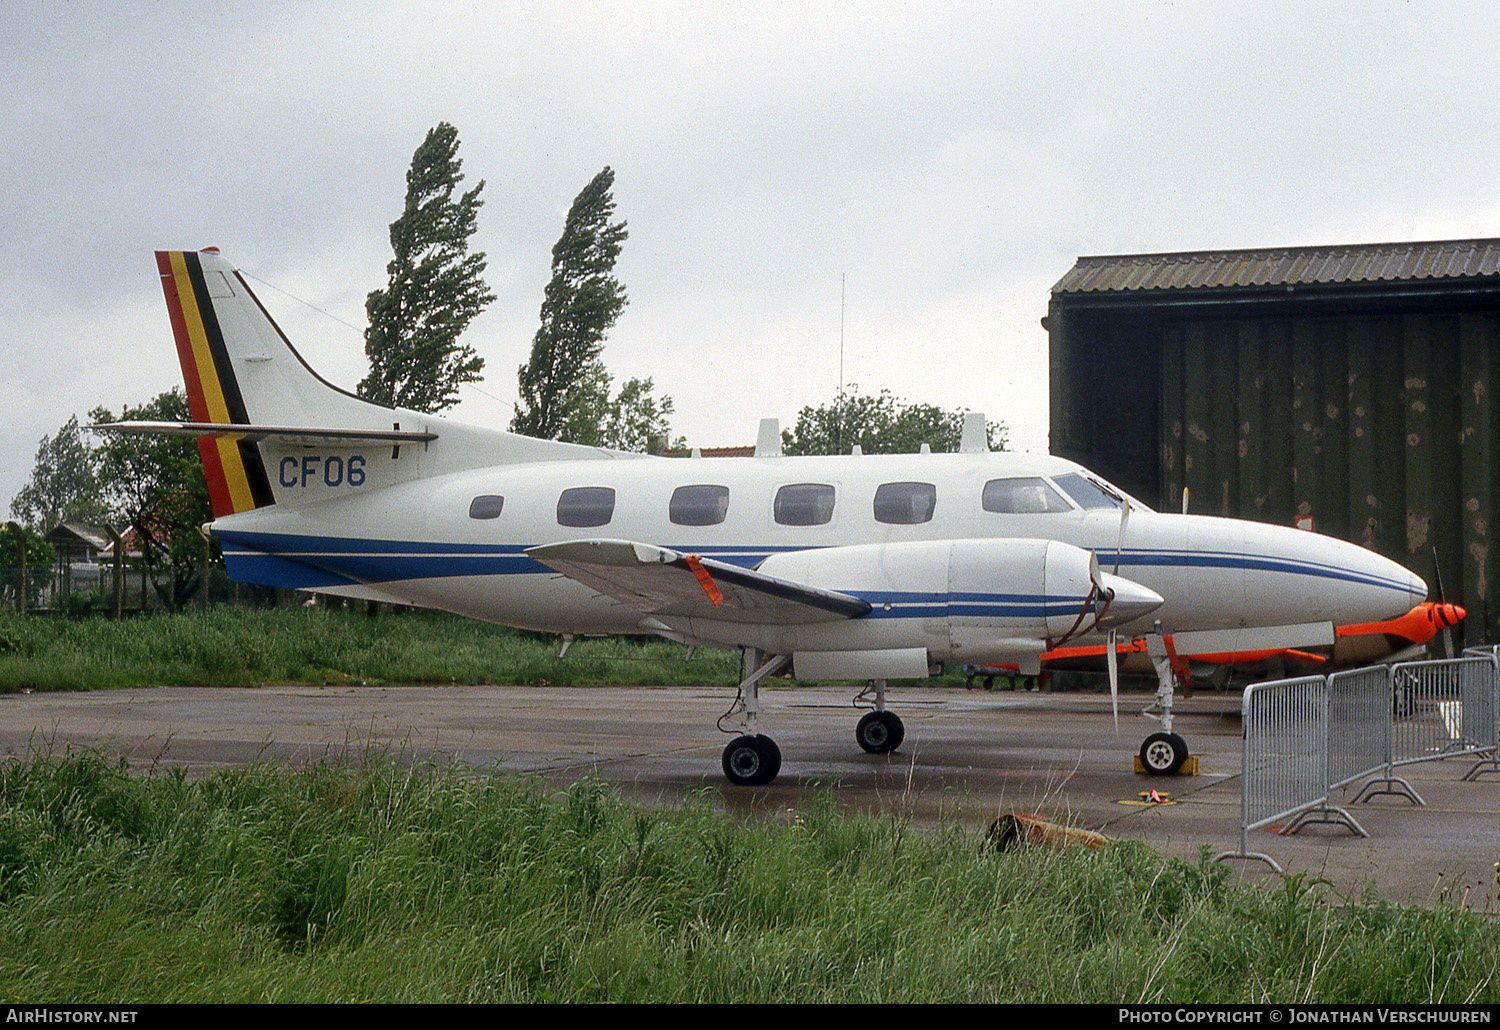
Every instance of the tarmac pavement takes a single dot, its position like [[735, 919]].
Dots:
[[968, 756]]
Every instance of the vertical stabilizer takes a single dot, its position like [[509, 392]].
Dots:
[[308, 440], [237, 478]]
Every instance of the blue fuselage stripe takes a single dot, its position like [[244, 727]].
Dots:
[[308, 562]]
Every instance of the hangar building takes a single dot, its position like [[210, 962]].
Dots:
[[1352, 386]]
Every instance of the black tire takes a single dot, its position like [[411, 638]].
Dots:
[[1163, 753], [898, 729], [879, 733], [750, 761]]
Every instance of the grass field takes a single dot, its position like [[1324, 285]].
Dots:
[[235, 647], [382, 882]]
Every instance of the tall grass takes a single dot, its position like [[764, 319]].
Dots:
[[383, 881], [246, 647]]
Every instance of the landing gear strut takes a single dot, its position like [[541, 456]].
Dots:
[[752, 759], [1163, 753]]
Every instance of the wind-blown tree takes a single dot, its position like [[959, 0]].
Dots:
[[880, 424], [564, 388], [156, 487], [635, 420], [64, 484], [436, 287]]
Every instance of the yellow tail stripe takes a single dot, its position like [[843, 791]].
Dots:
[[235, 477]]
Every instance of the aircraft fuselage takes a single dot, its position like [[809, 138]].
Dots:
[[456, 541]]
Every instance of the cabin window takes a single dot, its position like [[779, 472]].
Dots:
[[1029, 495], [582, 507], [486, 506], [804, 504], [702, 505], [1088, 493], [905, 504]]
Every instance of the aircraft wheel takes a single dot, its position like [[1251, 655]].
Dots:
[[750, 761], [880, 732], [1163, 753]]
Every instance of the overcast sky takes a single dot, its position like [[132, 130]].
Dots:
[[942, 165]]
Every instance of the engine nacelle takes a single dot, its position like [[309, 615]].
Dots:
[[978, 601]]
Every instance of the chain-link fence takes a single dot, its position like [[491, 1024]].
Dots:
[[84, 587]]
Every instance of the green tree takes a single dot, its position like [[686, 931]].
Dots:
[[156, 486], [635, 420], [564, 388], [879, 424], [40, 554], [436, 287], [64, 485]]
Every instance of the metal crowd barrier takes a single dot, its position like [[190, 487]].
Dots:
[[1303, 737], [1284, 755], [1482, 721]]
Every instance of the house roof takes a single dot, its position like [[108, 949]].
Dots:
[[1285, 266], [79, 532]]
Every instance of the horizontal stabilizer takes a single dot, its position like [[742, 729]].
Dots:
[[255, 434], [662, 582]]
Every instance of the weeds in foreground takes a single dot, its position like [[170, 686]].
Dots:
[[387, 881]]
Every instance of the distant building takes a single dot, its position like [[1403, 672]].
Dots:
[[78, 542], [1352, 386]]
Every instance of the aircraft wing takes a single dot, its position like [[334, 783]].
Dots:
[[658, 581]]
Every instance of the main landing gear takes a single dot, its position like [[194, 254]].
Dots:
[[752, 759], [879, 732]]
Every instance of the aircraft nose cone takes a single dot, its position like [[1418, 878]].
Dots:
[[1131, 601]]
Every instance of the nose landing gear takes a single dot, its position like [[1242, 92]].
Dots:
[[1163, 753]]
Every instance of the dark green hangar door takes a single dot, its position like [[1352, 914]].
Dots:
[[1352, 389]]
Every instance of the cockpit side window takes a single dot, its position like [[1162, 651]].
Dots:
[[1029, 495], [1088, 493], [486, 506]]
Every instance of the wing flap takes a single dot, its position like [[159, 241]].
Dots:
[[662, 582]]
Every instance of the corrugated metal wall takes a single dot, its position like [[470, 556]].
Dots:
[[1380, 426]]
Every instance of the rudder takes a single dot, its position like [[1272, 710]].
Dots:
[[236, 475]]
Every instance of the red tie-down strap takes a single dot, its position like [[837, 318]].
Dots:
[[704, 579]]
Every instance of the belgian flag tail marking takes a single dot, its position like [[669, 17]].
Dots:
[[236, 474]]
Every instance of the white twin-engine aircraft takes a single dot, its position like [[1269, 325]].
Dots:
[[854, 567]]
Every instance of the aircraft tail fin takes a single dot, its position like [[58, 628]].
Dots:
[[297, 438], [237, 479]]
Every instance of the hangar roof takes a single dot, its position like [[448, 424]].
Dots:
[[1284, 266]]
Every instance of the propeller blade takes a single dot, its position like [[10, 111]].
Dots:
[[1447, 631], [1114, 681], [1120, 542]]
